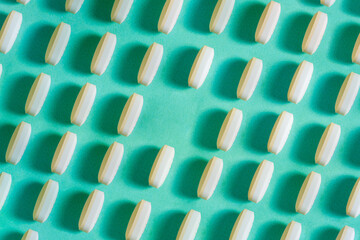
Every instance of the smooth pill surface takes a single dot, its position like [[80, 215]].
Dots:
[[221, 15], [150, 64], [46, 201], [308, 193], [63, 153], [353, 204], [58, 43], [1, 69], [91, 211], [347, 94], [327, 144], [9, 31], [161, 166], [130, 114], [138, 220], [229, 129], [346, 233], [18, 143], [249, 79], [38, 94], [73, 6], [268, 22], [260, 181], [201, 67], [103, 53], [5, 184], [23, 1], [300, 82], [210, 178], [243, 225], [292, 231], [355, 57], [83, 104], [189, 226], [120, 10], [314, 33], [280, 132], [169, 15], [327, 3], [30, 235], [111, 163]]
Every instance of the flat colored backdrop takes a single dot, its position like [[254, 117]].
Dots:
[[185, 118]]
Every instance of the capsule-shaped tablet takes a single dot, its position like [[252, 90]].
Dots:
[[161, 166], [130, 114], [111, 163], [38, 94], [18, 143], [260, 181], [201, 67], [91, 211], [308, 193], [249, 79], [169, 15], [221, 15], [58, 42], [63, 153], [150, 64], [300, 82], [103, 53], [314, 32], [73, 6], [327, 3], [292, 231], [83, 104], [268, 21], [353, 204], [347, 94], [23, 1], [355, 57], [120, 10], [189, 226], [243, 225], [229, 129], [210, 178], [46, 201], [30, 235], [9, 31], [138, 220], [327, 144], [5, 183], [280, 132], [346, 233]]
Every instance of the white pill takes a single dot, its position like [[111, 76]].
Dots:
[[189, 226], [346, 233], [130, 114], [83, 104], [201, 67], [210, 178], [327, 144], [111, 163], [280, 132], [150, 64], [73, 6], [243, 225], [347, 94], [268, 21], [63, 153], [5, 183], [229, 129], [30, 235], [18, 143], [23, 1], [260, 181], [161, 166], [9, 31], [292, 231], [314, 32], [120, 10], [1, 68], [58, 42], [221, 15], [249, 79], [103, 53], [169, 15], [327, 3], [46, 201], [91, 211], [138, 220], [353, 205], [300, 81], [355, 57], [38, 94], [308, 193]]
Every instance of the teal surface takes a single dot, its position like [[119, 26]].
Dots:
[[187, 119]]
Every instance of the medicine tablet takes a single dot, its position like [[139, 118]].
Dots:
[[30, 235], [120, 10], [201, 67], [58, 42], [23, 1], [111, 163], [260, 181], [169, 15], [189, 226], [1, 68], [347, 94], [103, 53], [9, 31], [38, 94], [327, 3], [280, 132], [46, 201], [353, 204], [229, 129], [314, 32], [150, 64], [138, 220], [268, 21], [210, 178], [249, 79], [73, 6], [243, 225], [327, 144], [161, 166], [355, 57], [308, 193], [346, 233], [18, 143], [83, 104], [5, 183], [63, 153], [292, 231], [300, 82], [221, 15], [130, 114], [91, 211]]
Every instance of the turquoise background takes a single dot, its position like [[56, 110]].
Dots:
[[185, 118]]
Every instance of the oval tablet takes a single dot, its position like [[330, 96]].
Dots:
[[83, 104], [58, 42], [280, 132], [229, 129], [150, 64], [260, 181], [120, 10], [308, 193], [23, 1], [327, 3], [161, 166], [38, 94], [210, 178], [111, 163], [91, 211], [355, 57], [5, 183], [327, 144], [249, 79], [346, 233], [9, 31], [73, 6], [268, 21], [18, 143], [130, 114], [221, 15], [169, 15], [46, 201], [103, 53], [243, 225], [353, 204], [138, 220], [347, 94], [201, 67], [292, 231], [314, 32], [63, 153], [300, 82], [189, 226], [30, 235]]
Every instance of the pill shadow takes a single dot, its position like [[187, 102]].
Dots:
[[6, 131], [149, 15], [168, 225], [3, 15], [199, 15], [101, 10], [271, 230], [221, 224], [351, 7], [325, 233], [312, 3], [57, 6], [352, 150], [6, 2], [11, 235]]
